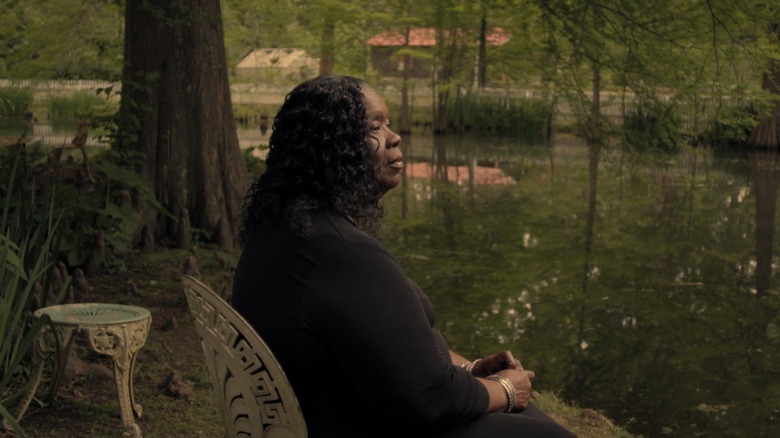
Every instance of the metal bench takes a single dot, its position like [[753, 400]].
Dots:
[[253, 392]]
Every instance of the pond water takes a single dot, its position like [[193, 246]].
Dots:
[[639, 285]]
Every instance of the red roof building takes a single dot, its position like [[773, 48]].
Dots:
[[384, 46], [426, 37]]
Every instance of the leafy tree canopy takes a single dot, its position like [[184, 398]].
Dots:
[[686, 47], [61, 39]]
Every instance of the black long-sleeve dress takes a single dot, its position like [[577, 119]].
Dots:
[[356, 338]]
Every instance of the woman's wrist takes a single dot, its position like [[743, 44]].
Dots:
[[509, 388], [469, 366]]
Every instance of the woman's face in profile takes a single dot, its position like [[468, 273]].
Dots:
[[383, 141]]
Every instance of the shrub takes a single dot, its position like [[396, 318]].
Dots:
[[731, 126], [652, 125], [503, 115], [76, 105], [14, 101], [98, 217], [103, 212]]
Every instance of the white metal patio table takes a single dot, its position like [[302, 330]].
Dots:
[[115, 330]]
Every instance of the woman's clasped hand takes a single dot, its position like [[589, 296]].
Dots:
[[505, 365]]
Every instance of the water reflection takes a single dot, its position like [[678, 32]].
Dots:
[[460, 175], [764, 167], [642, 287]]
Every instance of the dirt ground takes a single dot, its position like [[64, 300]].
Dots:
[[86, 404]]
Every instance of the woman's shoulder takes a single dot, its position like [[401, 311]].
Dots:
[[338, 237], [331, 224]]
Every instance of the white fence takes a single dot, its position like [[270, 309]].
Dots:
[[614, 105], [44, 90]]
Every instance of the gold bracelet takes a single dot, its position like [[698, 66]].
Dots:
[[469, 366], [511, 394]]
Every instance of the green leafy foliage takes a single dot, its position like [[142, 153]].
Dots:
[[102, 210], [108, 211], [61, 39], [28, 240], [14, 101], [512, 115], [254, 164], [75, 105], [732, 126], [652, 124]]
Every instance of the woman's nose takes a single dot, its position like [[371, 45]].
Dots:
[[393, 140]]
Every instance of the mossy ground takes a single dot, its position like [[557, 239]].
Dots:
[[86, 404]]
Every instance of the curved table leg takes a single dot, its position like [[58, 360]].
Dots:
[[45, 344], [65, 341], [122, 342]]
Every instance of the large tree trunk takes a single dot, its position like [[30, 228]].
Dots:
[[176, 111]]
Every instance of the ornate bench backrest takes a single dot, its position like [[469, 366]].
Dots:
[[254, 394]]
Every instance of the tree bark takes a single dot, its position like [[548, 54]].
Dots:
[[404, 122], [446, 41], [176, 111], [594, 129], [482, 57], [328, 47]]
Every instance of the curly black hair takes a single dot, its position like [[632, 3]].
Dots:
[[318, 157]]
